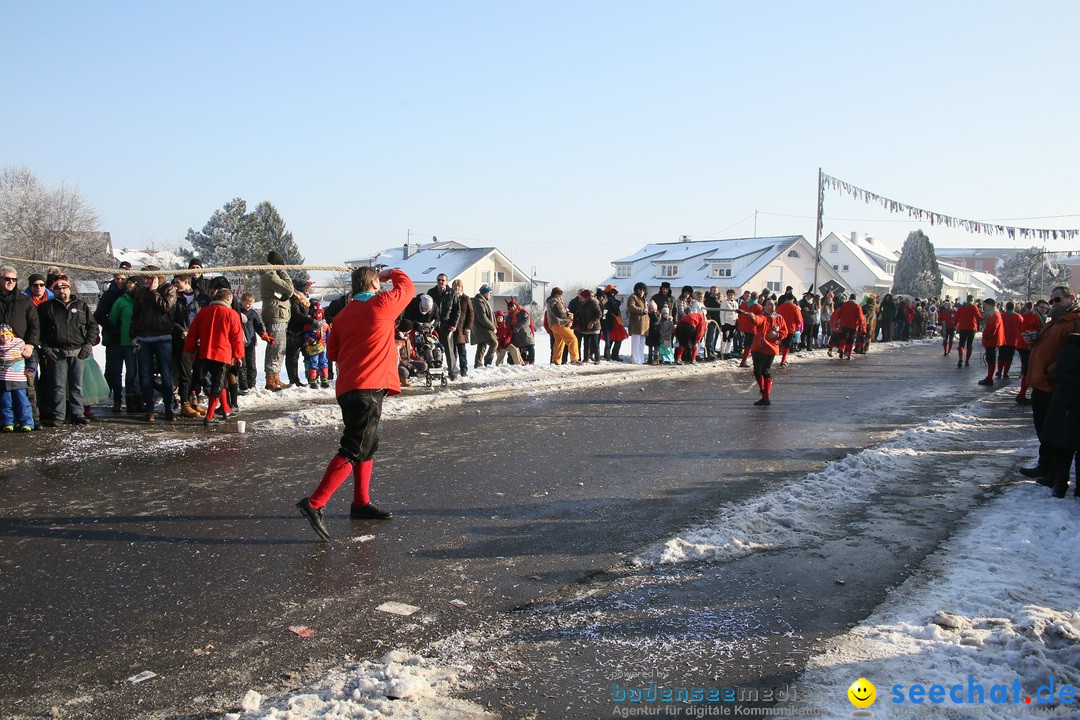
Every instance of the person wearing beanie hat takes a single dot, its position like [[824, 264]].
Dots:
[[504, 334], [15, 411], [275, 290], [664, 297], [637, 315], [37, 290], [483, 329]]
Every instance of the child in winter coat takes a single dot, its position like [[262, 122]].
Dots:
[[14, 405], [652, 339], [315, 362], [504, 336], [218, 338], [524, 335], [667, 332]]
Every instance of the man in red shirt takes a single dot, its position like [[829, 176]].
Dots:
[[947, 315], [968, 318], [850, 320], [1011, 323], [745, 324], [363, 346], [793, 317], [769, 330], [993, 337]]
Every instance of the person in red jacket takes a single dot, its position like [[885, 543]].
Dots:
[[363, 346], [745, 324], [947, 315], [993, 337], [968, 318], [689, 331], [1011, 323], [793, 317], [849, 318], [769, 330], [218, 337], [1033, 320]]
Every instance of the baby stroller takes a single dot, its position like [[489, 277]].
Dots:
[[430, 350]]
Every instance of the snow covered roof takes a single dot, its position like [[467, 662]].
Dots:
[[425, 262], [863, 255], [165, 259], [697, 256]]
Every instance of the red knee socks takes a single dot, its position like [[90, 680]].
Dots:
[[783, 356], [211, 405], [336, 472], [225, 408], [361, 496], [766, 387]]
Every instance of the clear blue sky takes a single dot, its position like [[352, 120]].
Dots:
[[566, 133]]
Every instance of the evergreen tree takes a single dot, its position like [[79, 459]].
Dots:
[[270, 234], [917, 272], [1031, 274], [227, 237]]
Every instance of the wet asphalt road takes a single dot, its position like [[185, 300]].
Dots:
[[192, 562]]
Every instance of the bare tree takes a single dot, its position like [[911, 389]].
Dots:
[[48, 225]]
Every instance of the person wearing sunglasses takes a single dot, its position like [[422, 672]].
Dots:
[[36, 290], [1045, 349], [68, 335], [17, 311]]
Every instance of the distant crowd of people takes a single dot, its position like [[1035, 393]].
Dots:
[[192, 340]]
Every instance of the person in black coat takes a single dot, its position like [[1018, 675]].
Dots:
[[68, 336], [1061, 430]]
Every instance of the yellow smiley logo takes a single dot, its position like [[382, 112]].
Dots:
[[862, 693]]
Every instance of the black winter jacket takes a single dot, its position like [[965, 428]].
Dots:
[[19, 311], [68, 329], [153, 313], [447, 309]]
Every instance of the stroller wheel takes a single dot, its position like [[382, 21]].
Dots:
[[444, 381], [429, 381]]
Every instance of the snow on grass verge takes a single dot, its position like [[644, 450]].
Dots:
[[808, 511], [999, 601]]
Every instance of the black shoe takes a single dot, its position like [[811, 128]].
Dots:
[[1021, 400], [170, 414], [314, 517], [79, 421], [49, 424], [369, 512], [764, 401], [452, 376], [1045, 481], [986, 381], [216, 420], [1060, 490], [1034, 472], [959, 363]]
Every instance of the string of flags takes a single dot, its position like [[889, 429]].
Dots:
[[939, 218]]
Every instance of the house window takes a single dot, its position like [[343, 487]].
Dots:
[[669, 271], [835, 267], [774, 286], [890, 268], [428, 271], [500, 277], [793, 253], [846, 268], [485, 276], [978, 265], [622, 270], [720, 271], [834, 247]]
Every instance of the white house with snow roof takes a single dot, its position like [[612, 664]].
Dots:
[[866, 265], [473, 266], [739, 264]]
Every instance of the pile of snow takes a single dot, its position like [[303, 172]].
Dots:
[[400, 685], [1000, 600], [809, 511], [165, 259]]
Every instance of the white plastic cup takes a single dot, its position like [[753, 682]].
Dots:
[[241, 426]]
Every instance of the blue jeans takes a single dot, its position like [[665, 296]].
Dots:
[[162, 351], [117, 357], [65, 384], [12, 402]]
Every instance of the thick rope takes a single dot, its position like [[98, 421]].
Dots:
[[178, 271]]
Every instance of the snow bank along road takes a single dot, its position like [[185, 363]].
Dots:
[[647, 523]]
